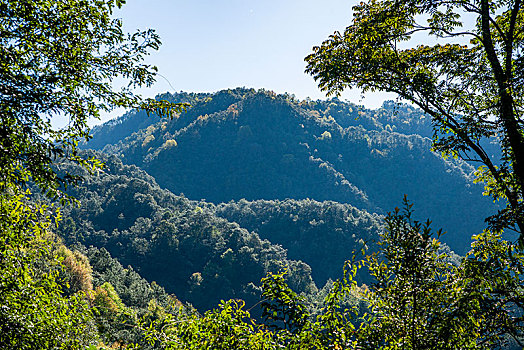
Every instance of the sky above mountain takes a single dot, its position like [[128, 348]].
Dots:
[[209, 45]]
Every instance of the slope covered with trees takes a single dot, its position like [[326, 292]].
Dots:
[[184, 247], [322, 234], [60, 58], [257, 145]]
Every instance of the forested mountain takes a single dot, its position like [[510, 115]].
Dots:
[[256, 145], [184, 247], [322, 234], [202, 252], [293, 188]]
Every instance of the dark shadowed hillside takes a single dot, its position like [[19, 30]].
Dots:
[[256, 145], [185, 248], [322, 234]]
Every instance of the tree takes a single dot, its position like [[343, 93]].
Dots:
[[34, 312], [490, 281], [422, 299], [411, 291], [470, 81], [59, 59]]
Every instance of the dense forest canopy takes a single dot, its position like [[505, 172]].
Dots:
[[469, 82], [249, 144], [317, 176], [58, 60], [181, 245]]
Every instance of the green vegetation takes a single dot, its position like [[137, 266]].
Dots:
[[420, 301], [401, 287], [469, 82], [257, 145], [308, 229], [58, 61], [182, 245], [34, 313]]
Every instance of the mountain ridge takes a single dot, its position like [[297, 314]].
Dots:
[[255, 145]]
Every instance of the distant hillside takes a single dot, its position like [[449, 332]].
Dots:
[[185, 248], [322, 234], [257, 145], [391, 117]]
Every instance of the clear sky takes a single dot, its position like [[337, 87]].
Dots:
[[210, 45]]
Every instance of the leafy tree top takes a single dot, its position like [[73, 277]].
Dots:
[[469, 82], [60, 59]]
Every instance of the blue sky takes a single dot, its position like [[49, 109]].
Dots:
[[210, 45]]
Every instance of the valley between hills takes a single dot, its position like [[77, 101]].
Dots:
[[244, 182]]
